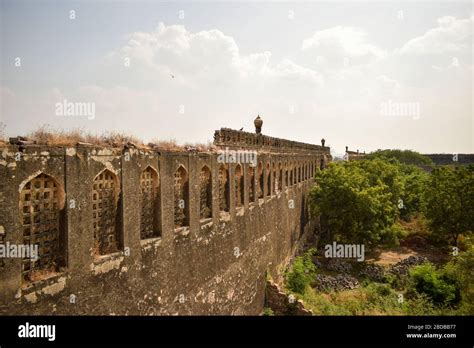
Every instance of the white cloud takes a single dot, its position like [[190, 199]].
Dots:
[[342, 47], [205, 56], [451, 36], [386, 85], [288, 70], [331, 87]]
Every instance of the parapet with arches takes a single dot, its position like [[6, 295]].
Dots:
[[135, 231]]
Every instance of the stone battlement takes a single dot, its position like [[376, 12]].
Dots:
[[226, 137]]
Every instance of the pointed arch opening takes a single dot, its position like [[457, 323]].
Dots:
[[295, 164], [224, 188], [181, 197], [251, 179], [274, 178], [290, 180], [260, 180], [105, 213], [280, 177], [150, 219], [43, 224], [239, 186], [269, 180], [205, 189]]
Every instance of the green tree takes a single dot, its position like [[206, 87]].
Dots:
[[403, 156], [461, 268], [384, 173], [405, 182], [449, 200], [414, 185], [441, 288], [356, 201]]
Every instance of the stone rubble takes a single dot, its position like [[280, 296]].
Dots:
[[345, 281], [401, 268], [373, 272], [338, 265], [340, 282]]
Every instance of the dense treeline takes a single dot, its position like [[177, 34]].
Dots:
[[403, 156], [378, 202], [363, 201]]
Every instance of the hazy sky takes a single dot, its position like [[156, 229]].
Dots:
[[391, 74]]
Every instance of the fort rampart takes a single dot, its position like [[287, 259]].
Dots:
[[136, 231]]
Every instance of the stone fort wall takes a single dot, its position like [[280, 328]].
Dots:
[[133, 231]]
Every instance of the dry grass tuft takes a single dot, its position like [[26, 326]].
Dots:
[[201, 147], [173, 146], [166, 145], [45, 135], [3, 140]]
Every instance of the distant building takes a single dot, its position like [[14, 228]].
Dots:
[[353, 155]]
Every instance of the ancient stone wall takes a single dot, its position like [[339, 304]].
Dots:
[[130, 231]]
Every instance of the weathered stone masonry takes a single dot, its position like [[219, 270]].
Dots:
[[133, 231]]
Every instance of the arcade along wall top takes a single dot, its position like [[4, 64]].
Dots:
[[226, 137]]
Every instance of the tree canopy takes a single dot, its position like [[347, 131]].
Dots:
[[449, 201], [403, 156]]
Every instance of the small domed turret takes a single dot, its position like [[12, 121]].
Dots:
[[258, 122]]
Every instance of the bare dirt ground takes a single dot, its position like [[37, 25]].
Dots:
[[394, 255]]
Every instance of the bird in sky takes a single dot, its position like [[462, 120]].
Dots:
[[241, 129]]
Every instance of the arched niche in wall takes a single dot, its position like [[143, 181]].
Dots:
[[150, 215], [42, 223], [181, 197], [205, 189], [105, 210]]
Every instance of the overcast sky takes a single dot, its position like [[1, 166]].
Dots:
[[363, 74]]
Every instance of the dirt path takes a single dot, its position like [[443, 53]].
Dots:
[[394, 255]]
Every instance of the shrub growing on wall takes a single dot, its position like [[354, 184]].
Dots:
[[302, 272]]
